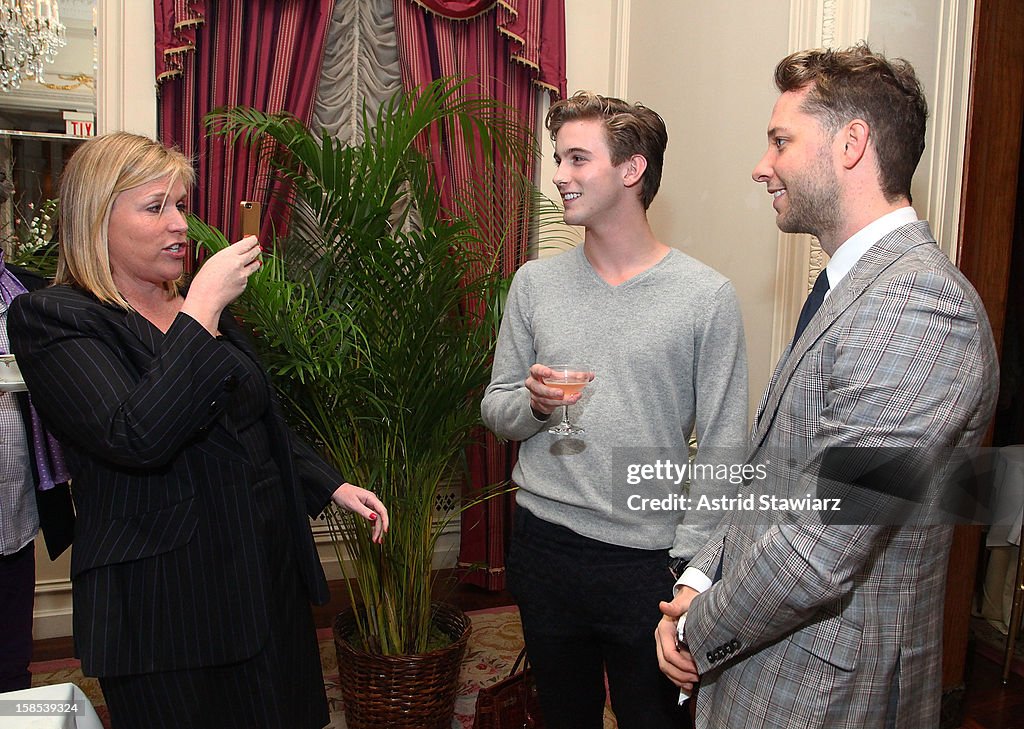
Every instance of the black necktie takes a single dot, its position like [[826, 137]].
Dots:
[[812, 304]]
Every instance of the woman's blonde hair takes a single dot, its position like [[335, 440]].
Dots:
[[99, 171]]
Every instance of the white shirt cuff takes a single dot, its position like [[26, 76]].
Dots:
[[692, 577]]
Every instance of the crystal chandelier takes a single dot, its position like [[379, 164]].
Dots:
[[30, 33]]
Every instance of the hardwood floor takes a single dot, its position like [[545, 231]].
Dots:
[[987, 703]]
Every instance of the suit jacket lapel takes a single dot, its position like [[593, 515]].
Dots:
[[770, 389], [280, 448], [233, 333], [150, 336], [866, 271], [144, 331]]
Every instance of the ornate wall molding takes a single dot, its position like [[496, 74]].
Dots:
[[840, 23], [947, 131], [125, 88], [813, 24], [59, 89], [620, 55], [52, 613]]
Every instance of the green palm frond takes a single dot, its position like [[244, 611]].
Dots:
[[375, 314]]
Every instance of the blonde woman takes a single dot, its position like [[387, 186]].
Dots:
[[193, 566]]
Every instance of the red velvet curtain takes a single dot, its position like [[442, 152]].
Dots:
[[509, 49], [260, 53], [457, 9]]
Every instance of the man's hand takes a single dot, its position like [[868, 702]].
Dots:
[[680, 604], [674, 660], [544, 398]]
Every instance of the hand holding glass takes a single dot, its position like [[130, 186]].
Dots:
[[569, 379]]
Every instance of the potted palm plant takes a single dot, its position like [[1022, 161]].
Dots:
[[375, 316]]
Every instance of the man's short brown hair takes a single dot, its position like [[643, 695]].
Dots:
[[858, 84], [630, 129]]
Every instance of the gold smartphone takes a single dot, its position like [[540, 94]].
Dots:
[[250, 213]]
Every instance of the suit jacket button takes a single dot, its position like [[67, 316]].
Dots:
[[735, 644], [230, 383], [711, 657]]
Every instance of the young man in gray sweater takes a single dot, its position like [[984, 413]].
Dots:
[[602, 517]]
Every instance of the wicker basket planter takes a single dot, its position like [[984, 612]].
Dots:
[[414, 692]]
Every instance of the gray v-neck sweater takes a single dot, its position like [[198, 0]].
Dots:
[[668, 350]]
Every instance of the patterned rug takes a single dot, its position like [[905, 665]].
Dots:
[[495, 642]]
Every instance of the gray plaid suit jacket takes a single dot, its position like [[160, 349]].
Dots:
[[818, 624]]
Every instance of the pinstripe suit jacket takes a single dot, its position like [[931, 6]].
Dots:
[[840, 626], [139, 414]]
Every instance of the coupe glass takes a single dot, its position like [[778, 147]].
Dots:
[[569, 379]]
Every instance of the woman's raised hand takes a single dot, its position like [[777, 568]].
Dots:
[[221, 279]]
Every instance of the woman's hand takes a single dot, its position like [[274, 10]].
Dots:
[[221, 279], [365, 504]]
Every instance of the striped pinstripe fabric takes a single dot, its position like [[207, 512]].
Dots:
[[840, 626], [168, 570]]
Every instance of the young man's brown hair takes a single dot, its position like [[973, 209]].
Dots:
[[630, 128]]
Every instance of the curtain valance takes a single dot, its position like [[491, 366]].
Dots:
[[176, 22], [457, 9]]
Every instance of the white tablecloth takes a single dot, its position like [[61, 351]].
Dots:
[[31, 699]]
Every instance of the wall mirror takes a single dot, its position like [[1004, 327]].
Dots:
[[42, 121]]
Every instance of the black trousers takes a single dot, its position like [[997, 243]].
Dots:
[[590, 609], [17, 593]]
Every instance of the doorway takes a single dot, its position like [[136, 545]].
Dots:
[[1008, 428], [989, 254]]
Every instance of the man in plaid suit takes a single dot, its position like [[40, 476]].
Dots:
[[810, 619]]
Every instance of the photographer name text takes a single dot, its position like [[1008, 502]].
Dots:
[[750, 502]]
